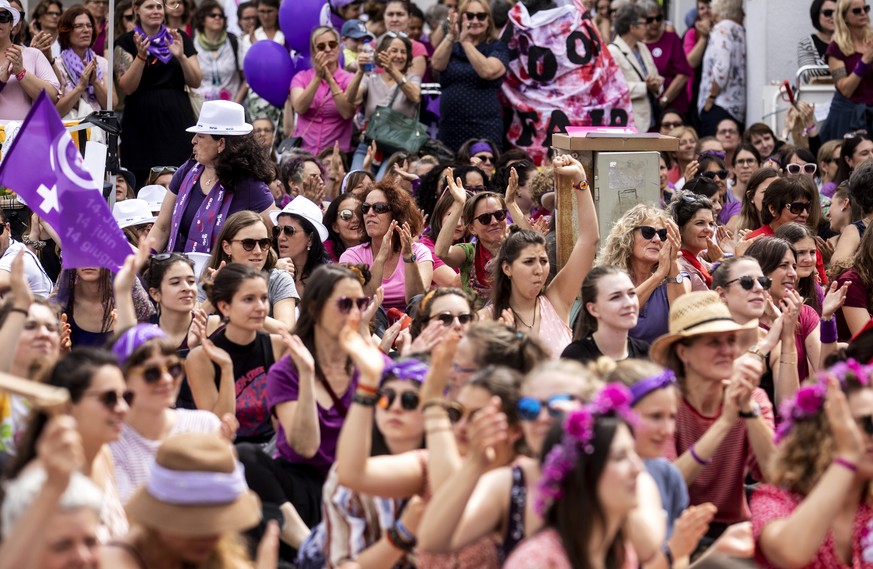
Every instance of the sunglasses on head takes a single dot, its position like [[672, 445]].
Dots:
[[5, 17], [409, 400], [797, 208], [481, 16], [153, 373], [393, 35], [164, 170], [652, 19], [379, 207], [249, 244], [829, 13], [346, 215], [485, 218], [721, 174], [161, 257], [110, 399], [325, 46], [748, 282], [448, 318], [288, 230], [648, 232], [859, 11], [809, 168], [529, 409], [344, 303]]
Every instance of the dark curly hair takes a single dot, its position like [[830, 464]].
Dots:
[[203, 11], [431, 188], [242, 159]]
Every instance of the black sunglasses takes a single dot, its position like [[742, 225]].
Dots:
[[249, 244], [379, 207], [529, 409], [5, 17], [866, 423], [828, 13], [748, 282], [409, 400], [653, 19], [648, 232], [481, 16], [127, 17], [110, 399], [485, 218], [344, 303], [326, 46], [448, 318], [288, 230], [216, 16], [723, 174], [858, 11], [346, 215], [796, 208], [153, 374]]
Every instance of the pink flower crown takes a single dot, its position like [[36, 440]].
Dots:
[[809, 399], [613, 400]]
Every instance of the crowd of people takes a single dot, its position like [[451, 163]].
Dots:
[[325, 350]]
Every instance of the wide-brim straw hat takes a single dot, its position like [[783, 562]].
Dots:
[[695, 314], [221, 118], [196, 488]]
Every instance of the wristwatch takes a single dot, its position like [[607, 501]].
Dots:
[[753, 414], [411, 258], [677, 279]]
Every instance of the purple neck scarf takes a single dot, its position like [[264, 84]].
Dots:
[[76, 65], [159, 44], [208, 220]]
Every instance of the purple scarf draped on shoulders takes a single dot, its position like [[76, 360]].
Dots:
[[208, 220]]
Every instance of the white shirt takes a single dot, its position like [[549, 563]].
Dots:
[[725, 62], [37, 279]]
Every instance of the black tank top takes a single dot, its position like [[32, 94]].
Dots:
[[517, 503]]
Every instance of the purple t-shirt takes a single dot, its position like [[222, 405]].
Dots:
[[395, 284], [729, 210], [864, 92], [671, 61], [654, 317], [283, 384]]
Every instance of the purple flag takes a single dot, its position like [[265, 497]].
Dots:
[[44, 167]]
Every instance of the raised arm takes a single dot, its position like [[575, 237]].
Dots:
[[299, 418], [417, 274], [443, 248], [443, 52], [190, 64], [123, 286], [22, 298]]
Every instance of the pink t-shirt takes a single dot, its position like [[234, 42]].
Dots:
[[322, 124], [545, 551], [14, 102], [393, 283]]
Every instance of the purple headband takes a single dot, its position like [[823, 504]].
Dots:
[[478, 147], [649, 384], [712, 154], [132, 338], [406, 370], [188, 488]]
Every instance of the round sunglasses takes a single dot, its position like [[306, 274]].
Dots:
[[344, 303], [648, 232], [748, 282], [529, 408], [409, 400], [110, 399], [153, 373], [485, 218], [346, 214], [249, 244], [448, 318]]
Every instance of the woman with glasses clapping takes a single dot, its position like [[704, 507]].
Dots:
[[344, 225], [217, 52]]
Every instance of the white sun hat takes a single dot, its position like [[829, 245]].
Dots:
[[154, 195], [132, 212], [306, 209], [221, 117]]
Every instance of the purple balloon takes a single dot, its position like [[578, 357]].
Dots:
[[300, 61], [298, 18], [269, 70]]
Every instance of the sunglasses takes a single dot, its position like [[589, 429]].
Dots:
[[55, 14], [288, 230], [346, 215], [808, 168], [163, 169], [855, 133], [326, 46], [721, 174], [866, 423], [409, 400], [672, 125], [153, 374], [110, 399], [5, 17], [648, 232], [797, 208], [249, 244], [344, 303], [448, 318], [859, 11], [127, 17], [485, 218], [485, 158], [216, 16], [529, 409], [161, 257], [746, 162], [748, 282], [378, 208], [482, 16], [828, 13], [653, 19]]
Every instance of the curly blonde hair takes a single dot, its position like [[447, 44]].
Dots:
[[541, 183], [619, 245]]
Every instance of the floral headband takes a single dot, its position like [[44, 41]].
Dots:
[[578, 433], [810, 399]]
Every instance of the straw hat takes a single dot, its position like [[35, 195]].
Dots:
[[196, 488], [132, 212], [221, 117], [306, 209], [695, 314]]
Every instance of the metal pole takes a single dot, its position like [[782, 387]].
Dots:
[[110, 54]]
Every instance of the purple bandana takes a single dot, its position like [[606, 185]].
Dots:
[[75, 66], [208, 220], [159, 44], [649, 384], [478, 147], [132, 338]]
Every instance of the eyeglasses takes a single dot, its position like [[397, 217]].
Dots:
[[378, 207], [828, 13], [216, 16], [481, 16], [865, 422], [346, 215], [485, 158], [127, 17], [5, 17], [80, 27], [248, 19], [249, 244], [161, 257], [262, 130], [110, 399], [344, 303], [748, 282], [409, 400], [809, 168], [485, 218], [153, 374], [746, 162], [448, 318], [671, 124], [652, 19], [529, 409], [55, 14], [288, 230], [798, 207], [859, 11], [326, 46], [267, 11], [458, 369], [648, 232], [728, 132], [721, 174]]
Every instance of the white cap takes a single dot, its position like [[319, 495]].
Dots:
[[306, 209], [132, 212]]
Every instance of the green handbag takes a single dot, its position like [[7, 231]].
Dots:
[[394, 131]]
